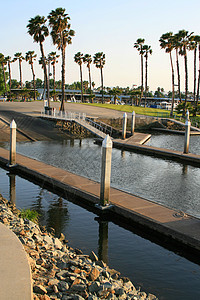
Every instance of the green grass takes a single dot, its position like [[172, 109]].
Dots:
[[29, 214], [138, 109]]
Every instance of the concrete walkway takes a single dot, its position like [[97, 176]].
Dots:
[[167, 222], [15, 274]]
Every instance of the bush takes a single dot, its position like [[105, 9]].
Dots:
[[29, 214]]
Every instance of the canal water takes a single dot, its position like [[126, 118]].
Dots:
[[154, 268]]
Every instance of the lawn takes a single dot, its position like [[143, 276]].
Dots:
[[138, 109]]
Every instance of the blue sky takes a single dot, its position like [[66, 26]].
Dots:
[[110, 26]]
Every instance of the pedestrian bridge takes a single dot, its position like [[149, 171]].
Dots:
[[99, 129]]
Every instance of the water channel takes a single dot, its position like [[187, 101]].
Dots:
[[154, 268]]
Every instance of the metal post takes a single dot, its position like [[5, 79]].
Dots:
[[187, 133], [124, 126], [105, 171], [13, 128], [133, 123]]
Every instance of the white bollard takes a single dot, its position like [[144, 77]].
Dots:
[[105, 171], [187, 133], [13, 128], [124, 126], [133, 123]]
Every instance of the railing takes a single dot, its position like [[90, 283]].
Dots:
[[63, 115], [100, 126]]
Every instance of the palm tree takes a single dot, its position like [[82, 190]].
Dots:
[[139, 46], [193, 46], [198, 82], [185, 40], [38, 29], [78, 58], [147, 50], [3, 62], [115, 92], [87, 59], [18, 56], [167, 43], [177, 45], [9, 61], [43, 61], [30, 57], [99, 61], [53, 58], [62, 36]]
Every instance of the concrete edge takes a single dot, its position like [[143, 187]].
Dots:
[[15, 272]]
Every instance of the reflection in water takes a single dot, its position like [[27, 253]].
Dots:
[[37, 205], [123, 154], [103, 240], [185, 169], [12, 188], [72, 143], [57, 215]]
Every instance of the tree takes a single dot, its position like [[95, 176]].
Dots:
[[139, 46], [147, 50], [18, 56], [44, 61], [177, 45], [99, 61], [30, 57], [38, 29], [9, 61], [3, 62], [184, 41], [61, 34], [53, 58], [167, 43], [78, 58], [198, 82], [194, 40], [87, 59], [115, 92]]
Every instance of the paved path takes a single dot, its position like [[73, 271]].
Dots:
[[167, 222], [15, 274]]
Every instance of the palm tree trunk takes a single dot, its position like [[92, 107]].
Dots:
[[54, 80], [195, 60], [186, 82], [33, 81], [90, 81], [62, 107], [172, 107], [4, 77], [198, 86], [45, 70], [102, 101], [178, 73], [142, 79], [9, 71], [81, 82], [146, 66], [20, 73]]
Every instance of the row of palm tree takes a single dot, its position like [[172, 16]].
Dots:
[[144, 51], [61, 34], [182, 42], [98, 60]]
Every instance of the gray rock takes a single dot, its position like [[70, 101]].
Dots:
[[63, 286], [94, 287], [57, 243], [39, 289]]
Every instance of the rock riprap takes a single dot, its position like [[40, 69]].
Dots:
[[61, 272]]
